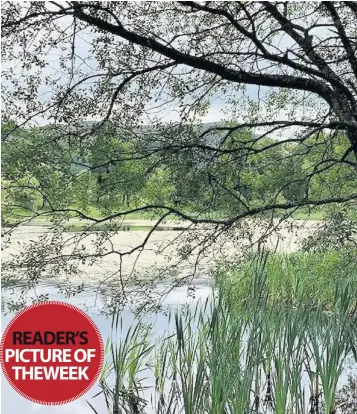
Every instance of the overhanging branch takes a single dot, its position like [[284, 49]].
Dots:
[[282, 81]]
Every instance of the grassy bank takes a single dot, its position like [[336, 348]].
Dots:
[[310, 279], [38, 217]]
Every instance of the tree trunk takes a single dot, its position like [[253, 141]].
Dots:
[[352, 135]]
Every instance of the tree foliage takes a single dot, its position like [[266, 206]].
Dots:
[[105, 103]]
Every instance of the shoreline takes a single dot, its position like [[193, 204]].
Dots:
[[146, 224], [161, 256]]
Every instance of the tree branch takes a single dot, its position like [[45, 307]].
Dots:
[[282, 81], [343, 36]]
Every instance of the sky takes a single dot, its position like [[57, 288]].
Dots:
[[216, 112]]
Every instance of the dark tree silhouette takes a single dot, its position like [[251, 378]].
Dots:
[[284, 75]]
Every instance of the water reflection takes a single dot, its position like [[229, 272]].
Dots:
[[94, 303]]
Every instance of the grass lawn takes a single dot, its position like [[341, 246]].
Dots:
[[77, 224]]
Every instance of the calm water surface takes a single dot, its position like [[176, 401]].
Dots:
[[94, 305]]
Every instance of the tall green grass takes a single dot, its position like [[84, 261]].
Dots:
[[224, 359], [291, 280]]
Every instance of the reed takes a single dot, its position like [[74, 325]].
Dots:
[[221, 358], [292, 280]]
